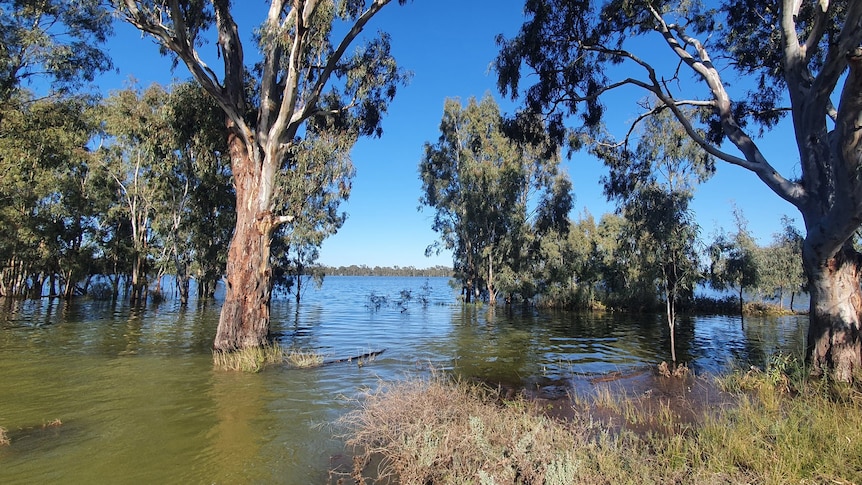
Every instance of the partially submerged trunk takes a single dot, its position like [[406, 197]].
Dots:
[[492, 293], [836, 307], [244, 320], [671, 325]]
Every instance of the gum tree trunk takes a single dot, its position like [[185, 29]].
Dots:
[[244, 320], [836, 309]]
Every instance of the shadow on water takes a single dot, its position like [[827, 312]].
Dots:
[[140, 402]]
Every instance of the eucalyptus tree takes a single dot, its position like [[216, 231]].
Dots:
[[653, 184], [798, 58], [734, 260], [55, 41], [139, 150], [197, 195], [481, 182], [305, 82], [47, 214], [547, 268], [780, 264], [312, 202]]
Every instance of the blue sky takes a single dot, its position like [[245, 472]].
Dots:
[[449, 46]]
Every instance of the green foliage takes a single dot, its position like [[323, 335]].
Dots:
[[734, 260], [49, 193], [780, 264], [482, 183], [56, 40]]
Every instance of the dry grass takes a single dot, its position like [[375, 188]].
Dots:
[[446, 432], [4, 438], [255, 359]]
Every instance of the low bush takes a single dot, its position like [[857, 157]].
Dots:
[[778, 428]]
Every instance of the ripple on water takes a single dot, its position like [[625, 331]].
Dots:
[[140, 401]]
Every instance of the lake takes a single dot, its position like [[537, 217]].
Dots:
[[140, 402]]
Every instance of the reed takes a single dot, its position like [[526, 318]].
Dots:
[[249, 359], [4, 438], [302, 359]]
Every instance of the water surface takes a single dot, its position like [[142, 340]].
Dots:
[[140, 402]]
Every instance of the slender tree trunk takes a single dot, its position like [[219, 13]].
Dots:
[[671, 324], [468, 291], [69, 288], [492, 295], [137, 280], [182, 280], [36, 289], [836, 309], [244, 320]]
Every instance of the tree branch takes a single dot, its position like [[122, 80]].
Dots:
[[753, 159], [176, 40]]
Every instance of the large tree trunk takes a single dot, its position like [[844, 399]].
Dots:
[[836, 307], [244, 320]]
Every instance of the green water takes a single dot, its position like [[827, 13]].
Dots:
[[140, 402]]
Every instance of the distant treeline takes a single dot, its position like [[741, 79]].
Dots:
[[363, 270]]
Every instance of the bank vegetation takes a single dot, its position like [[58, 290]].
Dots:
[[768, 426]]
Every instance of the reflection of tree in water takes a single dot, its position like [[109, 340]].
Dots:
[[720, 341], [235, 440], [520, 346]]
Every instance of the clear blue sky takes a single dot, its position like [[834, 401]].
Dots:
[[449, 46]]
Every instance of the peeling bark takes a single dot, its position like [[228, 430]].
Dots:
[[244, 319], [836, 311]]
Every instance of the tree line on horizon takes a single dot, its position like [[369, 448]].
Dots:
[[365, 270]]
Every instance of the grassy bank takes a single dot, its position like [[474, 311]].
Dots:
[[771, 428]]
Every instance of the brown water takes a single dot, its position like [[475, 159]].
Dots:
[[139, 401]]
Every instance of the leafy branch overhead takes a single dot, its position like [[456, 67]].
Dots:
[[583, 51]]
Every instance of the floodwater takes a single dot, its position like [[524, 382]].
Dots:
[[138, 400]]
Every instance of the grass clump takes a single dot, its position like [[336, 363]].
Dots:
[[778, 427], [302, 359], [255, 359], [4, 438], [249, 359]]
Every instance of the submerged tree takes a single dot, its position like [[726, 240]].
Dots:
[[46, 206], [733, 260], [47, 198], [138, 155], [198, 200], [653, 184], [480, 183], [804, 52], [306, 82], [781, 264]]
